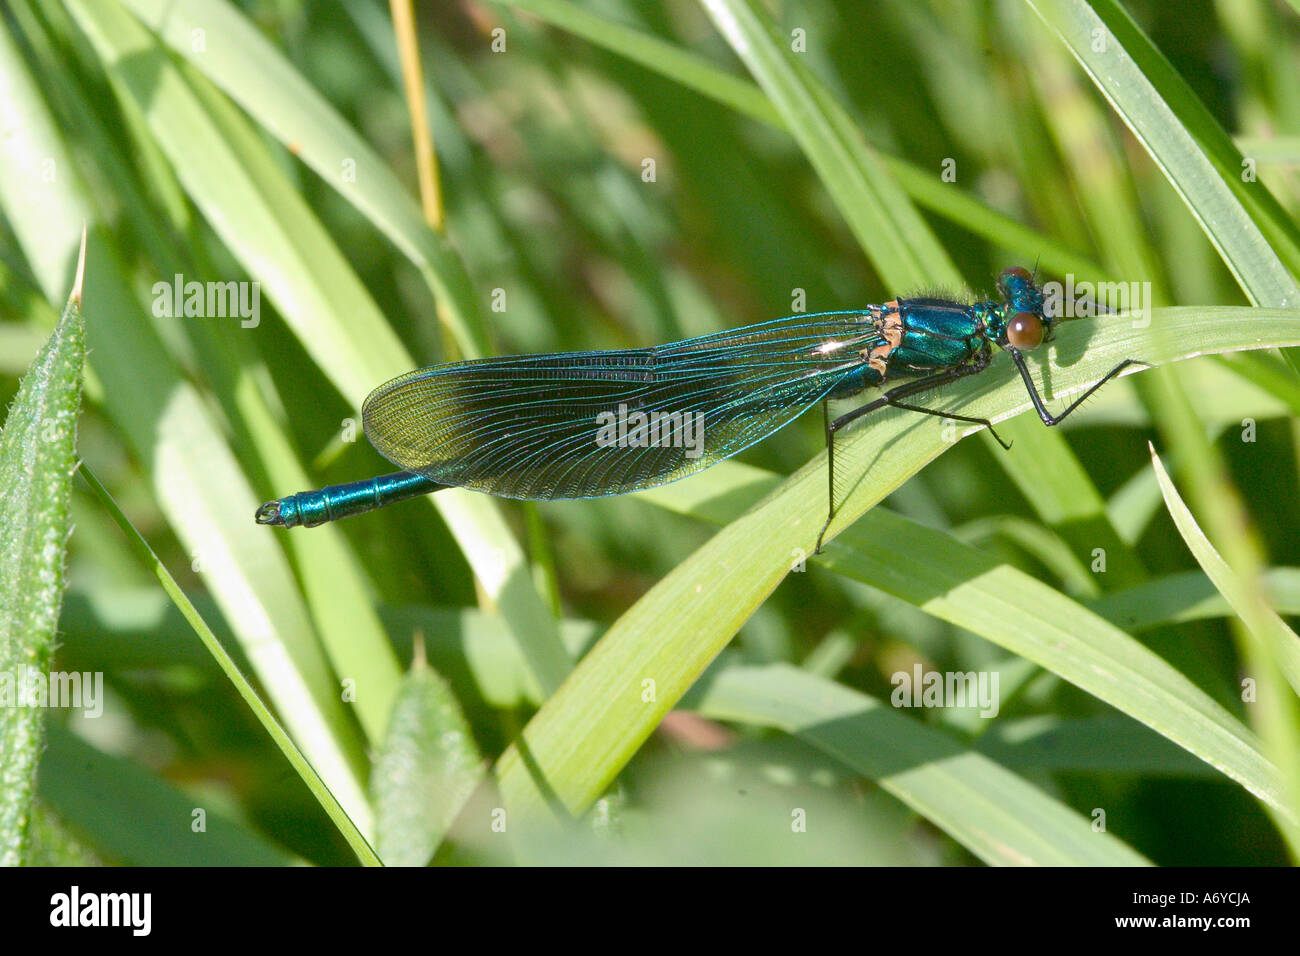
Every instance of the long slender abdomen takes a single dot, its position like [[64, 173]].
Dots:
[[311, 508]]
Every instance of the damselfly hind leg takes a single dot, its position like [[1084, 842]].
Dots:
[[891, 398]]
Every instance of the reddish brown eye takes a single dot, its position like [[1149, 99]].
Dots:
[[1025, 331], [1020, 272]]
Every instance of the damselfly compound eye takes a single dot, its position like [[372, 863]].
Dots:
[[1025, 330], [1020, 272]]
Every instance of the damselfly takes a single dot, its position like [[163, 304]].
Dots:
[[591, 424]]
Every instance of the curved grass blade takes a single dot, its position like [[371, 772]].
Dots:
[[37, 460], [891, 232], [1273, 653], [1262, 620], [255, 74], [229, 174], [1022, 615], [1248, 227], [967, 588], [315, 784], [334, 587], [164, 422], [995, 814]]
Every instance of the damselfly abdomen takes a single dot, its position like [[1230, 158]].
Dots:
[[591, 424]]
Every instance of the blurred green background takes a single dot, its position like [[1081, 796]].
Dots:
[[192, 150]]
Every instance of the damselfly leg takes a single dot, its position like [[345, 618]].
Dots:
[[1043, 413], [892, 398]]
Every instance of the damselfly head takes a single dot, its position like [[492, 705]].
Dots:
[[1025, 326]]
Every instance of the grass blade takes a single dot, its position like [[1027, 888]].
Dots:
[[891, 232], [1274, 651], [145, 555], [37, 459], [426, 769], [991, 811], [165, 422], [1255, 237], [255, 74]]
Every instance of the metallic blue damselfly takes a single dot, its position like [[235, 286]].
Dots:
[[591, 424]]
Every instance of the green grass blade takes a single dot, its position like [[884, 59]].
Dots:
[[1262, 620], [119, 807], [1022, 615], [1255, 237], [891, 232], [991, 811], [425, 770], [255, 74], [165, 423], [332, 581], [230, 175], [967, 588], [1274, 653], [37, 459], [253, 206], [147, 559]]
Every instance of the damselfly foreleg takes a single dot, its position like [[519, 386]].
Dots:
[[1043, 413]]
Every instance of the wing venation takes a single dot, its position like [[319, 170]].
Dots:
[[589, 424]]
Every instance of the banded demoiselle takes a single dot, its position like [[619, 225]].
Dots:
[[591, 424]]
